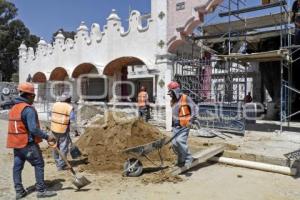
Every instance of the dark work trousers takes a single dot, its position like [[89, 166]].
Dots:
[[31, 153]]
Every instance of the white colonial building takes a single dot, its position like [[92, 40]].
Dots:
[[140, 55]]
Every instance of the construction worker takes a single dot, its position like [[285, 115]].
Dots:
[[24, 136], [296, 20], [143, 103], [62, 113], [248, 98], [183, 113]]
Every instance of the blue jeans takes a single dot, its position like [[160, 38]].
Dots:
[[180, 145], [63, 142], [31, 153]]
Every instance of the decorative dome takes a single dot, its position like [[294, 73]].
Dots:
[[113, 16], [42, 42], [82, 27], [60, 36], [23, 46]]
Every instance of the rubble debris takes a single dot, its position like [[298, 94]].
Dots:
[[161, 177]]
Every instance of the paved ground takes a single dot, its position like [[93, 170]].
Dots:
[[208, 182]]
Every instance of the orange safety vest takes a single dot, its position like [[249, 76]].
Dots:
[[17, 132], [60, 118], [184, 111], [142, 99]]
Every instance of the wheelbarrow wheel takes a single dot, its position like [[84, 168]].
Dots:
[[133, 167]]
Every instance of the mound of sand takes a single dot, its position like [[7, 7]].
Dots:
[[103, 142]]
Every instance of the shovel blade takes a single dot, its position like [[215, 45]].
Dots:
[[80, 182]]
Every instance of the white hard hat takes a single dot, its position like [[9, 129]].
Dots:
[[65, 96]]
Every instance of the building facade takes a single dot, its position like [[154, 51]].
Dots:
[[111, 63]]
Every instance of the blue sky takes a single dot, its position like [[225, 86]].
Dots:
[[44, 17]]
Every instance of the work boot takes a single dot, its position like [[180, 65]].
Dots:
[[45, 194], [188, 164], [179, 164], [20, 195]]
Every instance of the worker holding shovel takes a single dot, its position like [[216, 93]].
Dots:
[[183, 113], [143, 104], [62, 114], [24, 136]]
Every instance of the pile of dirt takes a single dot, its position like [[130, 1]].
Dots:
[[103, 142]]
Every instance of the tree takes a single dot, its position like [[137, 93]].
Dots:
[[8, 11], [12, 33]]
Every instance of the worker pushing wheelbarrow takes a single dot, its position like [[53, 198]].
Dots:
[[183, 113]]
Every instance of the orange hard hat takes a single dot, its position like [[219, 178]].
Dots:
[[173, 85], [26, 87]]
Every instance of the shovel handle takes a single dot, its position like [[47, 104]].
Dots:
[[178, 133], [66, 161], [54, 146]]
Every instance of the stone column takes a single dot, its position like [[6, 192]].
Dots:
[[165, 65]]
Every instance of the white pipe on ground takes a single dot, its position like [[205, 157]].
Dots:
[[256, 165]]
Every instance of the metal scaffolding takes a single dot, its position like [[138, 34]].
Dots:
[[287, 50], [224, 78], [212, 79]]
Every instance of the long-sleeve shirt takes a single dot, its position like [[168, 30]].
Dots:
[[72, 116], [30, 118]]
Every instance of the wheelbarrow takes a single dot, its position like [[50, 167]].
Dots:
[[133, 166]]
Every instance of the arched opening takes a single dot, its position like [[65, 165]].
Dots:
[[90, 85], [174, 46], [120, 63], [59, 74], [84, 68], [40, 80], [39, 77], [59, 82], [129, 74]]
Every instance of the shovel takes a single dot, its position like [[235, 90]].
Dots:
[[79, 182]]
